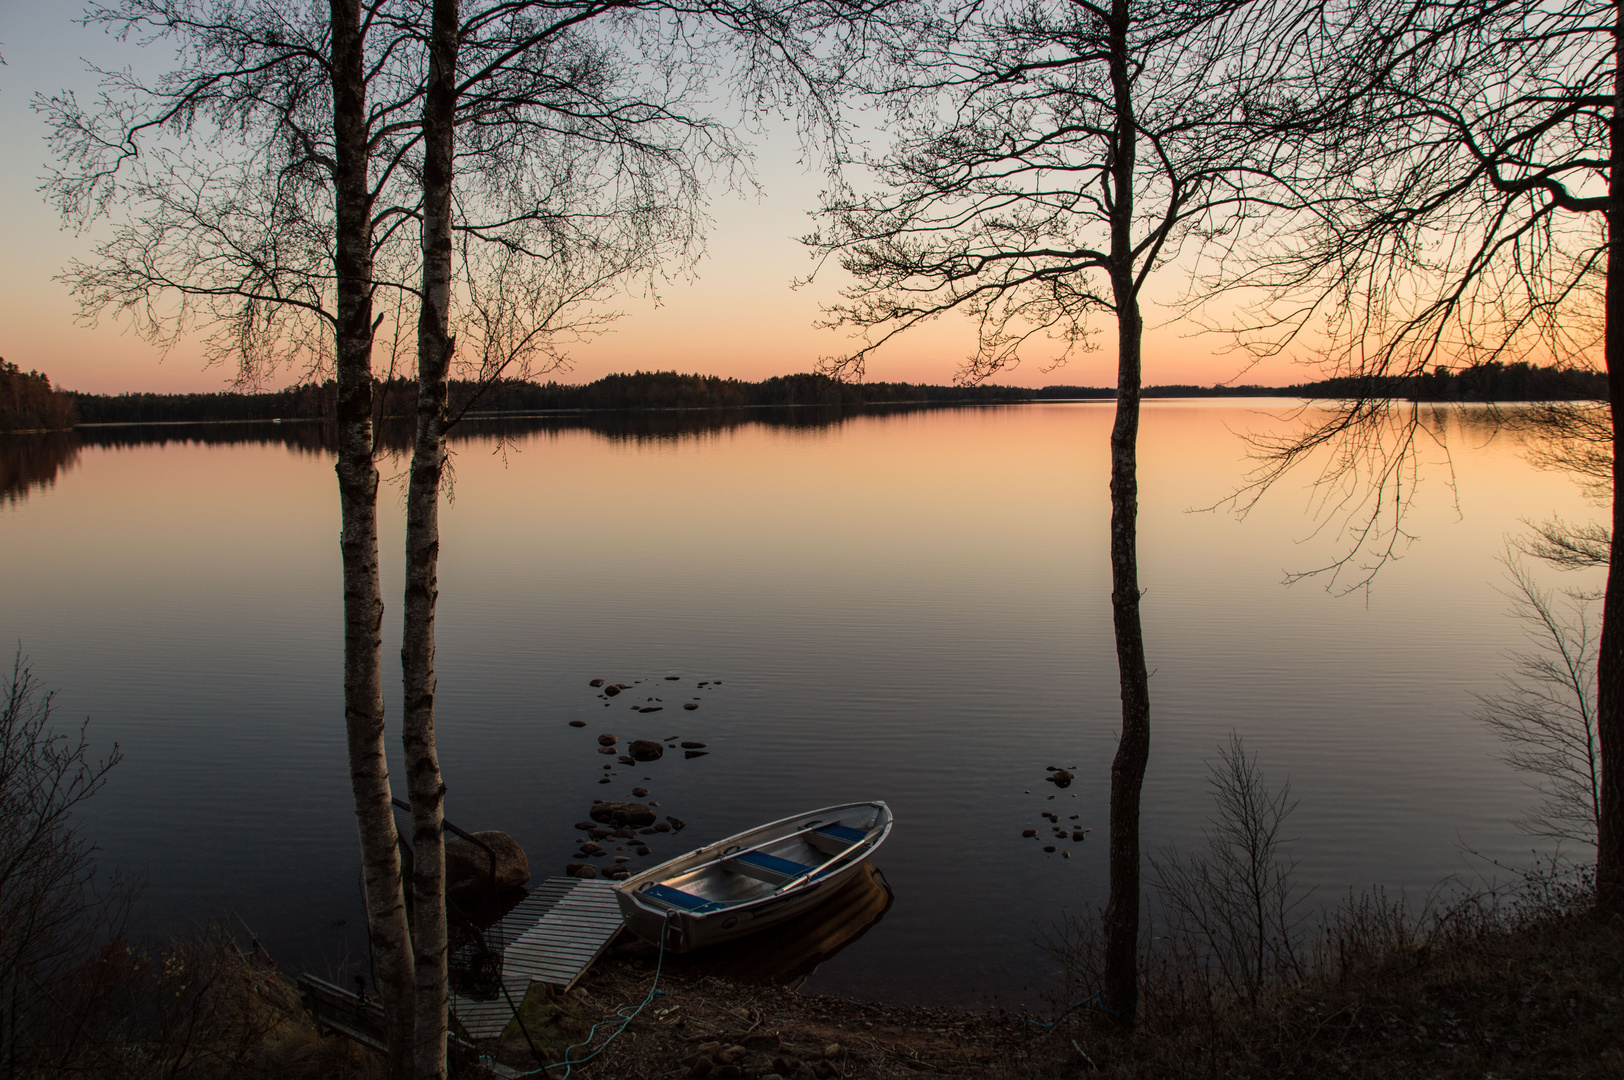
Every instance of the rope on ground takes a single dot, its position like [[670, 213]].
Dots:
[[1097, 997], [621, 1014]]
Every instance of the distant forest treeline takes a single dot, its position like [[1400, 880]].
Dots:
[[640, 390], [1481, 382], [27, 400], [1492, 381]]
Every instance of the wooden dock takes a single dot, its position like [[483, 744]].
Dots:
[[552, 937]]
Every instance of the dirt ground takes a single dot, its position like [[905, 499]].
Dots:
[[1543, 1000], [709, 1028]]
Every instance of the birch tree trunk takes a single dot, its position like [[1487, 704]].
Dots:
[[358, 538], [1120, 994], [434, 349], [1610, 653]]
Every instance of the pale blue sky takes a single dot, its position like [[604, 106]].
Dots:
[[739, 317]]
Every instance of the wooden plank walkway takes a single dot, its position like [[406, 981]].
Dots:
[[357, 1017], [552, 937]]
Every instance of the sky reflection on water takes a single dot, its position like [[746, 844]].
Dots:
[[910, 606]]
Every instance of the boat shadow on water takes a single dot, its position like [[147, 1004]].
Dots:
[[788, 954], [783, 955]]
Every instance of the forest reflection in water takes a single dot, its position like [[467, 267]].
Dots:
[[30, 462], [33, 462]]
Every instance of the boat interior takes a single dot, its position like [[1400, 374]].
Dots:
[[761, 863]]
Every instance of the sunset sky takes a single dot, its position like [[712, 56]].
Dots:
[[738, 318]]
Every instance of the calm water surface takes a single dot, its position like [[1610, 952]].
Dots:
[[912, 607]]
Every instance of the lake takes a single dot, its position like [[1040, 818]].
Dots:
[[906, 605]]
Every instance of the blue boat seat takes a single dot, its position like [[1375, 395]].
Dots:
[[764, 867], [676, 898], [835, 838], [836, 831]]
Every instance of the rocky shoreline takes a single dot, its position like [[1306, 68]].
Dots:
[[706, 1027]]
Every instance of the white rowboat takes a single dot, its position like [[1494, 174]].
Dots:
[[753, 880]]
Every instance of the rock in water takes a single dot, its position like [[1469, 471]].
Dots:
[[611, 690], [607, 739], [622, 813], [693, 746], [581, 870], [468, 866], [595, 682], [690, 705], [1059, 778], [694, 753], [645, 749], [577, 723], [672, 678]]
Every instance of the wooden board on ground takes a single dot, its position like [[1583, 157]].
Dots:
[[552, 937]]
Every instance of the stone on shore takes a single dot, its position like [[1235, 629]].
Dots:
[[468, 866]]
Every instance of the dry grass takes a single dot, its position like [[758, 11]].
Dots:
[[202, 1009], [1484, 987], [1476, 990]]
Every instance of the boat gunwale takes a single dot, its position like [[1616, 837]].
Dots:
[[819, 875]]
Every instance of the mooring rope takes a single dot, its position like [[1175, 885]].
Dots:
[[1097, 997], [621, 1014]]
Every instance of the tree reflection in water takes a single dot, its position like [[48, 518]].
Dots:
[[33, 461]]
